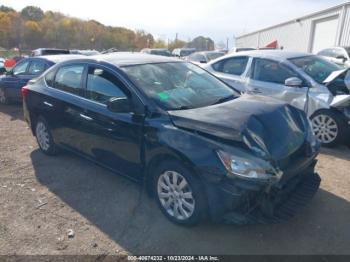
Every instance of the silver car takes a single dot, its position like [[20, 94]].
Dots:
[[338, 55], [308, 82]]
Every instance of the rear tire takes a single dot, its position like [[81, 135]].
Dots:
[[44, 137], [3, 97], [179, 193], [329, 127]]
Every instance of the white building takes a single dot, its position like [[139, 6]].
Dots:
[[310, 33]]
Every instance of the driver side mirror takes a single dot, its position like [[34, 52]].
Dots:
[[119, 105], [293, 82]]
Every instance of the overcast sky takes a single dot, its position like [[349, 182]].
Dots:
[[218, 19]]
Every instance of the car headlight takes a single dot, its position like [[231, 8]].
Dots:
[[244, 167]]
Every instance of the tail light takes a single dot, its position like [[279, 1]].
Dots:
[[24, 92]]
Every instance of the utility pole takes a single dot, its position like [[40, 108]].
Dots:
[[227, 39]]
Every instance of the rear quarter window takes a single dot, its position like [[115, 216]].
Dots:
[[232, 66], [69, 78]]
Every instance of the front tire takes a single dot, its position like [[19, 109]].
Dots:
[[44, 137], [328, 127], [179, 194]]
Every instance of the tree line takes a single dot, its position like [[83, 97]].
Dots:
[[32, 28]]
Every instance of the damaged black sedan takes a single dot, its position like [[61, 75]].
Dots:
[[200, 148]]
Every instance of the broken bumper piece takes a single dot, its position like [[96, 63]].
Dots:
[[280, 205]]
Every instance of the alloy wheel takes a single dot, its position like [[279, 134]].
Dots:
[[42, 136], [175, 195], [325, 128]]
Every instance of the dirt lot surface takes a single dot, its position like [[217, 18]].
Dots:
[[42, 198]]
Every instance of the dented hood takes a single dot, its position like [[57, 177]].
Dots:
[[263, 124]]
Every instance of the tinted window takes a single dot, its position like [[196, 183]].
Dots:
[[20, 68], [69, 78], [102, 85], [233, 66], [212, 56], [186, 52], [197, 57], [36, 67], [271, 71]]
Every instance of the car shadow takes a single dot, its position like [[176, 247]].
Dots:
[[14, 110], [341, 152], [120, 209]]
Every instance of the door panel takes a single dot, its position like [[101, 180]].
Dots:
[[268, 79], [295, 96], [114, 139]]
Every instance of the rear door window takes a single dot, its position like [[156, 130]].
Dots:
[[103, 85], [69, 79], [36, 67], [232, 66]]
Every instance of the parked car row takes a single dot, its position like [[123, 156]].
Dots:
[[200, 147], [25, 70]]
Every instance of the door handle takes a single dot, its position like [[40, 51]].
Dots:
[[48, 104], [86, 117]]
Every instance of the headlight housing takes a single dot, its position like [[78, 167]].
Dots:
[[246, 167]]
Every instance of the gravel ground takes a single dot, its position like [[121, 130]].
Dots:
[[42, 198]]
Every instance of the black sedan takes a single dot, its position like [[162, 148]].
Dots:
[[25, 70], [197, 145]]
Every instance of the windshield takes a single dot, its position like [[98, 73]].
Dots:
[[186, 52], [212, 56], [316, 67], [178, 85]]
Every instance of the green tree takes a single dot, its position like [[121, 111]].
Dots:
[[32, 34], [159, 43], [32, 13], [6, 9]]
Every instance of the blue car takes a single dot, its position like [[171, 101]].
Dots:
[[27, 69]]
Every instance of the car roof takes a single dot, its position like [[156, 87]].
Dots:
[[273, 54], [45, 48], [124, 59], [59, 58], [209, 52]]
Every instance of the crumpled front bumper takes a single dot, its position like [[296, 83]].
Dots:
[[249, 203], [270, 210]]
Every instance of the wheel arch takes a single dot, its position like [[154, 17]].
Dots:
[[161, 156]]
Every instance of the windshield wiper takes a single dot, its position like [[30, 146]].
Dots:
[[224, 99], [182, 108]]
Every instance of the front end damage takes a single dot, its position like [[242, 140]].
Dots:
[[248, 203], [268, 151]]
